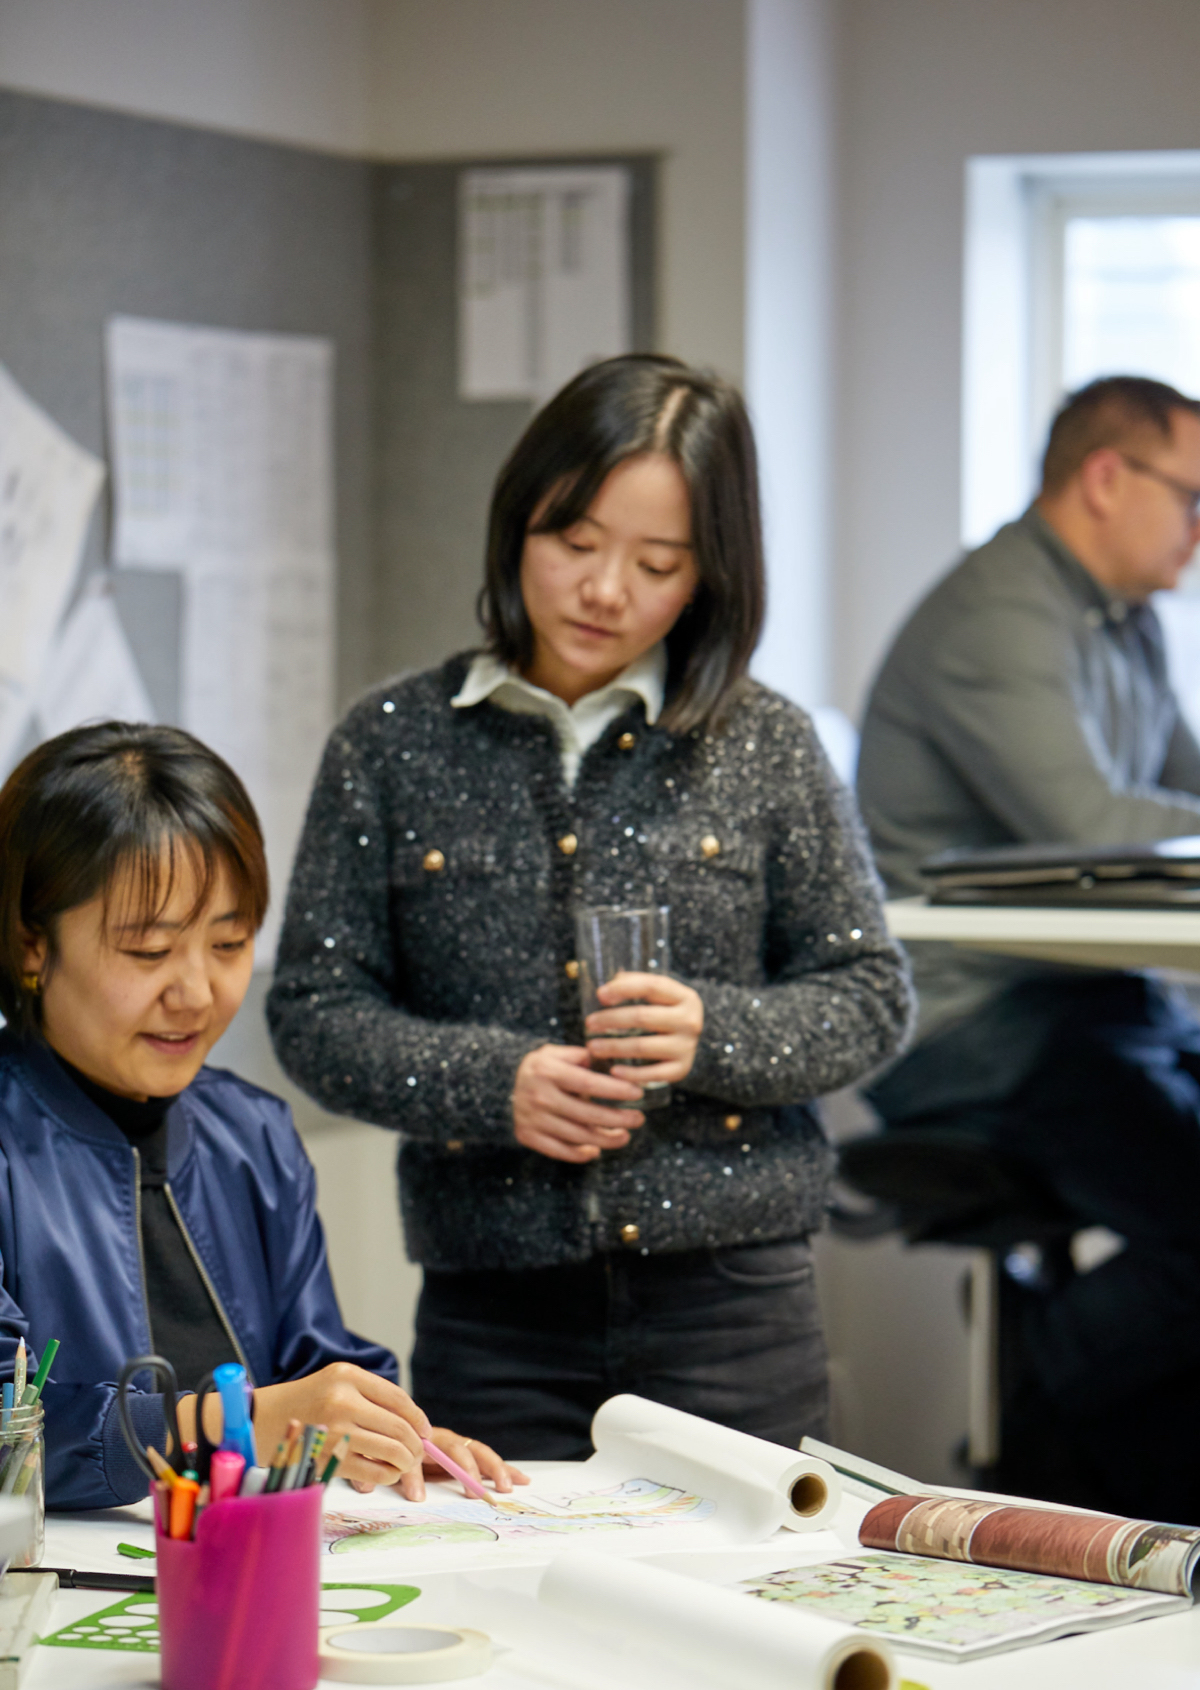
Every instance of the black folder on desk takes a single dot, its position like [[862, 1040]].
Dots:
[[1162, 873]]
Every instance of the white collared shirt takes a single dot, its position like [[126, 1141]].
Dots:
[[579, 725]]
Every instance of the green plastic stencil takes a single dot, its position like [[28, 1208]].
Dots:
[[132, 1623]]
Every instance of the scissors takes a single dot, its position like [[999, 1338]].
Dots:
[[164, 1375]]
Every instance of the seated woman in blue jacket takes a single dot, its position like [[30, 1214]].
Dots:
[[148, 1203]]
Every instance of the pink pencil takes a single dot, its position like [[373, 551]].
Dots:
[[473, 1486]]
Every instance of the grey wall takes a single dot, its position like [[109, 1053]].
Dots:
[[102, 213], [437, 455]]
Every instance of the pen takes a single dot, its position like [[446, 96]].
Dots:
[[472, 1486], [237, 1431], [183, 1507], [225, 1474], [19, 1370], [69, 1579]]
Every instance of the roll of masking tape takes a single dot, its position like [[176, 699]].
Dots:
[[389, 1653]]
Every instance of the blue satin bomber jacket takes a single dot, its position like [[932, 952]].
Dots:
[[70, 1255]]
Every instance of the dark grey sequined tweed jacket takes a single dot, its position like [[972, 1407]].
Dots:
[[428, 934]]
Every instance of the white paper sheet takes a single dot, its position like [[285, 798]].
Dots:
[[48, 487], [660, 1482], [544, 278], [90, 674], [222, 447]]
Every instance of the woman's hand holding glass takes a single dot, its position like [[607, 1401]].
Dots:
[[553, 1111], [650, 1019], [562, 1107]]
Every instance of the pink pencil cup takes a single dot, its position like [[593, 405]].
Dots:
[[238, 1606]]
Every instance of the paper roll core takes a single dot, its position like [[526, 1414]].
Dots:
[[862, 1670], [808, 1496]]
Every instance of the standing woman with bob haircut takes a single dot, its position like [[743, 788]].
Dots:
[[605, 747]]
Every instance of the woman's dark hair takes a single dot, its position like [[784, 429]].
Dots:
[[97, 801], [613, 411]]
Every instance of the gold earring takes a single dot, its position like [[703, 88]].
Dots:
[[31, 983]]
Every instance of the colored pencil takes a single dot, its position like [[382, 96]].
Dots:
[[33, 1392], [471, 1485]]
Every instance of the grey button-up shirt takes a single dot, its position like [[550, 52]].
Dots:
[[1021, 701]]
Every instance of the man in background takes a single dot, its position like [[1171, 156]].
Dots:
[[1027, 699]]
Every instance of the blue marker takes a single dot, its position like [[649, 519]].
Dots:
[[230, 1380], [8, 1405]]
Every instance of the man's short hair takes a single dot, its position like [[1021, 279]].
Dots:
[[1121, 411]]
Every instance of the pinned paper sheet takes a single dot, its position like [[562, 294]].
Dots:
[[544, 282], [48, 488], [90, 674], [223, 468]]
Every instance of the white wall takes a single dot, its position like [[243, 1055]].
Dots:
[[924, 85], [284, 70], [462, 78], [790, 107]]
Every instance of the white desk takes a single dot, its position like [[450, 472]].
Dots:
[[1160, 1654], [1094, 937]]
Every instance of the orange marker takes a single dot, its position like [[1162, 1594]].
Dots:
[[183, 1507]]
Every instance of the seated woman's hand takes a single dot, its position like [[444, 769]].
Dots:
[[472, 1456], [553, 1111], [384, 1423], [660, 1030]]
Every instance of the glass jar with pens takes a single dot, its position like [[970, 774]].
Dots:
[[23, 1445]]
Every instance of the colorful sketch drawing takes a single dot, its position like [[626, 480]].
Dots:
[[630, 1505], [132, 1623], [940, 1603]]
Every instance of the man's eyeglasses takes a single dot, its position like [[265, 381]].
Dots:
[[1189, 495]]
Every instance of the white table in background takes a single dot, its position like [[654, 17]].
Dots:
[[1096, 938], [1159, 1654]]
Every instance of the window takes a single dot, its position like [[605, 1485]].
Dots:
[[1076, 266]]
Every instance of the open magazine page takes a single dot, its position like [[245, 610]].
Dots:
[[1100, 1548], [952, 1612]]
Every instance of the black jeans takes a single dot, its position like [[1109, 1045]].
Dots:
[[524, 1359], [1101, 1101]]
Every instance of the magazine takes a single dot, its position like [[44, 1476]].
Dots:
[[1099, 1548], [953, 1612]]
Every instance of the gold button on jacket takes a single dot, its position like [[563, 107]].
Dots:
[[627, 742], [433, 861], [732, 1123], [630, 1233], [568, 844], [710, 845], [572, 969]]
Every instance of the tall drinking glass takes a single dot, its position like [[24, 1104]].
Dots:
[[610, 940]]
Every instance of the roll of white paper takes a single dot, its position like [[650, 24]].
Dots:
[[733, 1638], [766, 1484]]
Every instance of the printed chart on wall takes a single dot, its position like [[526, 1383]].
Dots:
[[544, 277], [48, 489], [659, 1481], [223, 469]]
